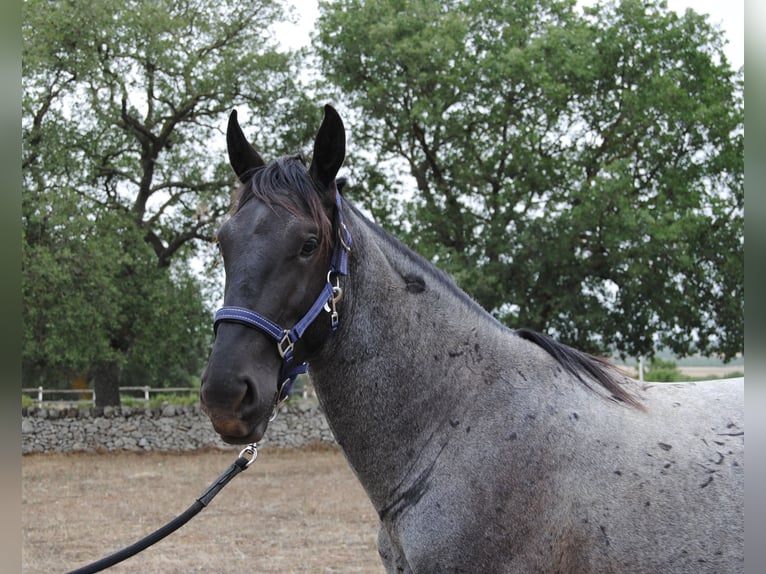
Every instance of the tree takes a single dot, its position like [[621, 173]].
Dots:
[[577, 172], [124, 171], [85, 294]]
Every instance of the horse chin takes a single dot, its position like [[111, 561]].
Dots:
[[252, 435], [238, 431]]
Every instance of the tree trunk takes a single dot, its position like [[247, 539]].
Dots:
[[106, 383]]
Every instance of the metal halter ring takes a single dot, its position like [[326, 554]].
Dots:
[[250, 452]]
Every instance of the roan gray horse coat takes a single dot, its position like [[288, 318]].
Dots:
[[483, 449]]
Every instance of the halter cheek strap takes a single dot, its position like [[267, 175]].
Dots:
[[326, 301]]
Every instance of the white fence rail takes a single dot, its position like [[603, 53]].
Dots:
[[38, 393]]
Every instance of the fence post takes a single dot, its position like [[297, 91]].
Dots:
[[39, 394]]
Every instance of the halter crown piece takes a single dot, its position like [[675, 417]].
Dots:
[[326, 301]]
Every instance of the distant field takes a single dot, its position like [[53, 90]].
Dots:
[[698, 369], [291, 511], [711, 371]]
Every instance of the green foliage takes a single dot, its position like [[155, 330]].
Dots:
[[578, 172], [89, 300], [667, 371], [67, 289], [162, 399], [664, 371], [125, 176]]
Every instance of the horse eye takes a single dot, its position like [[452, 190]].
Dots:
[[309, 246]]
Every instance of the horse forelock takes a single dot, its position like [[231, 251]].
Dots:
[[286, 183]]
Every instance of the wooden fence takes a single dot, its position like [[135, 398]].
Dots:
[[302, 388], [140, 393]]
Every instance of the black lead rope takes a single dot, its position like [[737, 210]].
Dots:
[[245, 459]]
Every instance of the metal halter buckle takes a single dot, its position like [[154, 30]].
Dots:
[[330, 305], [342, 234], [285, 345]]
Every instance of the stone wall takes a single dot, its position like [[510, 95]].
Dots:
[[168, 428]]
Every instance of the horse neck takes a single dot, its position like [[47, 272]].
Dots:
[[401, 363]]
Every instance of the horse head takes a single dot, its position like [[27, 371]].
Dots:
[[280, 259]]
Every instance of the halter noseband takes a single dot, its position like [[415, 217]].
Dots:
[[327, 301]]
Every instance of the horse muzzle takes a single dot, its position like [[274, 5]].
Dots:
[[238, 399]]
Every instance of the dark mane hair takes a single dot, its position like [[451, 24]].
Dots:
[[573, 361], [286, 183], [578, 363]]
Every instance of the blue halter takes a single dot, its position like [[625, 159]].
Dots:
[[327, 301]]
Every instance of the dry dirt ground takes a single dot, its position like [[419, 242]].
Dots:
[[291, 511]]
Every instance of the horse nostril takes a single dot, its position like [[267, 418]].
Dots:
[[250, 394], [236, 395]]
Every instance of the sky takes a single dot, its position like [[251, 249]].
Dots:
[[729, 15]]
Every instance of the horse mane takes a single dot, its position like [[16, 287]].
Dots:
[[576, 363], [286, 183], [443, 278]]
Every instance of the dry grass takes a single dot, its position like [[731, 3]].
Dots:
[[291, 511]]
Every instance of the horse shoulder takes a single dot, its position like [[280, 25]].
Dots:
[[578, 483]]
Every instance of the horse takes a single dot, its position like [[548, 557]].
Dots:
[[482, 448]]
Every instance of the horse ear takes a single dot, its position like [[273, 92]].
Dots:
[[329, 149], [242, 156]]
